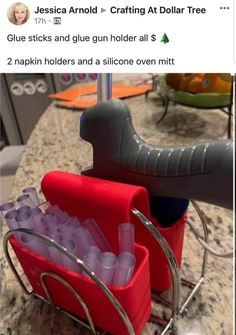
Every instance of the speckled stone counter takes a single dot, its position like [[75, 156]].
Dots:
[[55, 144]]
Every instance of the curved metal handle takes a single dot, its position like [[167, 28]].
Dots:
[[73, 291], [205, 232], [9, 260], [120, 310], [199, 238], [170, 258]]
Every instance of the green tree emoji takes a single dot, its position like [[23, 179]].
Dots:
[[165, 39]]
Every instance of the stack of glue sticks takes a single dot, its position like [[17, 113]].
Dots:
[[84, 240], [107, 266]]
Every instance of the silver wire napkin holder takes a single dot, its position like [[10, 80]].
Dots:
[[176, 308]]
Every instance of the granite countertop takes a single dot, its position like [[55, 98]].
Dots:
[[55, 144]]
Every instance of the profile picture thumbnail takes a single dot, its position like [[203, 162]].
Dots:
[[18, 13]]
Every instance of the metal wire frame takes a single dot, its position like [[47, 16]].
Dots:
[[120, 310], [166, 100], [195, 285], [72, 290], [106, 291], [201, 214], [175, 276], [176, 309]]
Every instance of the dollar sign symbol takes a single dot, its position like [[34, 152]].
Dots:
[[153, 37]]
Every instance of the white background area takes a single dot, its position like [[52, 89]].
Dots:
[[198, 43]]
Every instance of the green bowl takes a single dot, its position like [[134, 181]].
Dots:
[[202, 100], [198, 100]]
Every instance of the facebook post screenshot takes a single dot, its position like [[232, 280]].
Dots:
[[117, 167]]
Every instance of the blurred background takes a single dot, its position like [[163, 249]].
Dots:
[[185, 106]]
